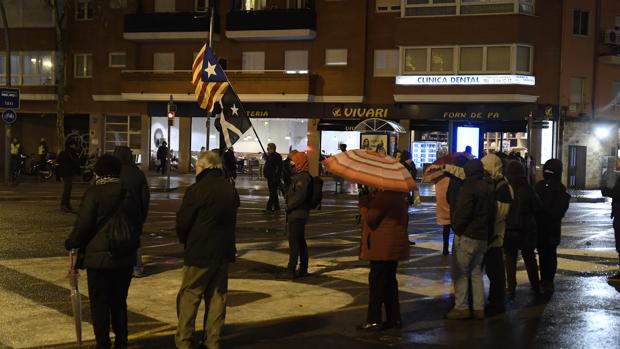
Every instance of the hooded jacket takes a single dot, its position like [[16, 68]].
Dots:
[[474, 215], [297, 206], [503, 197], [521, 220], [555, 201]]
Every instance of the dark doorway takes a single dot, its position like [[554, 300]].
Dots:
[[577, 166]]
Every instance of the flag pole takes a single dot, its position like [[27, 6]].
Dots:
[[211, 10]]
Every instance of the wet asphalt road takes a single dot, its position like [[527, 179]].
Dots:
[[318, 311]]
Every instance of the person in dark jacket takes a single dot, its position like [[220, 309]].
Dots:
[[162, 156], [555, 201], [453, 191], [384, 243], [108, 276], [521, 228], [206, 225], [297, 212], [134, 180], [68, 166], [615, 215], [273, 172], [473, 225], [288, 170], [230, 164]]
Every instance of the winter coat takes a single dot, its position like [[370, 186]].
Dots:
[[230, 164], [521, 220], [442, 206], [384, 226], [68, 164], [272, 169], [474, 215], [206, 221], [297, 205], [555, 201], [98, 205], [503, 197], [162, 152], [615, 203], [134, 180]]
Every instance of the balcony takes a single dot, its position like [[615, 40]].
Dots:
[[185, 26], [275, 24], [263, 86]]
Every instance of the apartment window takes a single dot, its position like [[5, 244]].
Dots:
[[580, 22], [118, 4], [442, 59], [165, 5], [84, 10], [523, 59], [29, 68], [336, 56], [415, 60], [498, 58], [470, 59], [27, 14], [296, 61], [386, 63], [163, 61], [388, 6], [426, 8], [83, 65], [576, 90], [253, 61], [117, 59], [122, 130]]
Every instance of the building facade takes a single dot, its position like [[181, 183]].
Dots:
[[451, 73]]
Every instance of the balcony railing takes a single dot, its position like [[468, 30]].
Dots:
[[172, 25], [430, 8]]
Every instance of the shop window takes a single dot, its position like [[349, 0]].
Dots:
[[296, 62], [415, 60], [84, 10], [576, 90], [284, 133], [253, 61], [386, 63], [122, 130], [442, 59], [498, 58], [331, 141], [117, 59], [83, 65], [523, 59], [163, 61], [159, 134], [580, 22], [334, 57], [199, 135], [388, 6], [471, 59], [165, 5]]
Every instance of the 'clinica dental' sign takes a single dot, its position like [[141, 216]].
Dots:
[[446, 80]]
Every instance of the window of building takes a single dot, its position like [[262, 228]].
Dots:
[[84, 10], [165, 5], [415, 60], [615, 95], [253, 61], [576, 90], [29, 68], [163, 61], [386, 63], [470, 59], [83, 65], [123, 130], [253, 5], [336, 56], [442, 59], [498, 58], [580, 22], [296, 61], [388, 6], [523, 59], [118, 3], [27, 14], [427, 8], [117, 59]]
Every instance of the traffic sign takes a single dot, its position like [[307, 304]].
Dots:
[[9, 98], [9, 116]]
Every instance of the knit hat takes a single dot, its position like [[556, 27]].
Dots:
[[108, 166], [515, 168]]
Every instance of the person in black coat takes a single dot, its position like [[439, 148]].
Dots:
[[451, 194], [230, 164], [108, 276], [521, 228], [273, 172], [134, 180], [555, 202], [68, 167], [162, 156]]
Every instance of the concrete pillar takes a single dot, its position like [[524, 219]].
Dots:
[[95, 134], [404, 139], [145, 141], [314, 146], [185, 142]]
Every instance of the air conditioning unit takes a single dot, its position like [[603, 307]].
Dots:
[[612, 37]]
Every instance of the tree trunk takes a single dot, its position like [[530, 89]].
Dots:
[[60, 11]]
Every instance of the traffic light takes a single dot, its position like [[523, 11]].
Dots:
[[172, 108]]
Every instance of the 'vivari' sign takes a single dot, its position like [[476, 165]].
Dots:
[[445, 80]]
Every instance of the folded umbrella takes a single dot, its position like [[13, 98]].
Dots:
[[372, 169], [435, 173], [76, 298]]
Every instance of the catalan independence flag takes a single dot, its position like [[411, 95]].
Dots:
[[210, 81]]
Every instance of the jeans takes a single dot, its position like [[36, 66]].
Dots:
[[468, 267], [273, 203], [212, 284], [163, 166], [529, 258], [65, 201], [494, 267], [446, 237], [107, 292], [383, 291], [298, 249]]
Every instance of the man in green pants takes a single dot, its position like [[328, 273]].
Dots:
[[206, 226]]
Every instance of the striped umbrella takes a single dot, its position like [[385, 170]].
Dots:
[[371, 168]]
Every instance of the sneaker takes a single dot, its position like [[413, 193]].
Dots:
[[614, 278], [369, 327], [458, 314], [479, 314]]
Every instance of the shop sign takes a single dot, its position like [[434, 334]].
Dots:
[[360, 112], [445, 80], [491, 115], [257, 113]]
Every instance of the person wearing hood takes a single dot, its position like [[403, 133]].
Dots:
[[555, 202], [521, 228], [494, 257], [456, 175], [297, 212], [473, 226]]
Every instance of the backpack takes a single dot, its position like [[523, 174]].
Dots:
[[315, 192], [123, 236]]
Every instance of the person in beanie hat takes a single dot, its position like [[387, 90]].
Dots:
[[521, 228], [555, 201]]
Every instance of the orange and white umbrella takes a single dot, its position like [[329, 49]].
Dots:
[[371, 168]]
